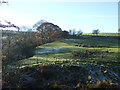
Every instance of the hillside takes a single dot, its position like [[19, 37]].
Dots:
[[70, 63]]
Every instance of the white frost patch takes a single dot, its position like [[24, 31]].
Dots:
[[97, 74], [46, 50]]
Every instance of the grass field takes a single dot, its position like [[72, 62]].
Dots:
[[62, 50], [98, 57], [104, 34]]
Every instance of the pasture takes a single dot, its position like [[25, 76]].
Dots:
[[92, 62], [107, 50], [103, 34]]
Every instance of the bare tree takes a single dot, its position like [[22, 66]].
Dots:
[[9, 25], [80, 32], [95, 31]]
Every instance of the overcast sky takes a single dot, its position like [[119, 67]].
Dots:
[[67, 14]]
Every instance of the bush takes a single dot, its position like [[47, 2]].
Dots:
[[19, 46]]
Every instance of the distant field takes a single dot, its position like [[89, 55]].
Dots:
[[104, 34]]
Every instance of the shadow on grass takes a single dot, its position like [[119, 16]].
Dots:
[[106, 42]]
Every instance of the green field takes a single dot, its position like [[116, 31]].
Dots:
[[96, 57], [62, 51], [104, 34]]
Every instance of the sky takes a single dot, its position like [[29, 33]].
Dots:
[[67, 14]]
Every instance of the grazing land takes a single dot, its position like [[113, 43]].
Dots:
[[85, 62], [104, 34]]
